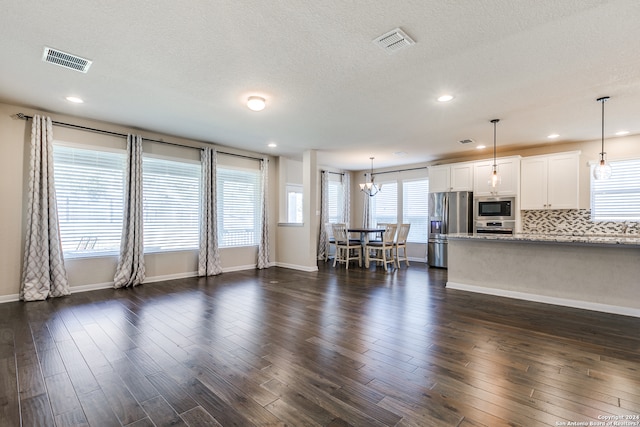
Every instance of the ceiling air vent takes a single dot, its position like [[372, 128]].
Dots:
[[65, 60], [466, 141], [394, 41]]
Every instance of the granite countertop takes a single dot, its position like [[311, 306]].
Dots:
[[627, 240]]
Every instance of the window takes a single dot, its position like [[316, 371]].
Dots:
[[90, 194], [336, 202], [617, 198], [415, 209], [238, 207], [171, 194], [384, 205], [294, 203]]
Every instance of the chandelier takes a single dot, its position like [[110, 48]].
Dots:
[[370, 188]]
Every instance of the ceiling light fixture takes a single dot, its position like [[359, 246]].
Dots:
[[256, 103], [480, 147], [272, 145], [622, 133], [553, 136], [445, 98], [74, 99], [370, 188], [602, 170], [494, 180]]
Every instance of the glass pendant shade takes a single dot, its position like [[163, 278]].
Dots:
[[494, 180], [602, 170]]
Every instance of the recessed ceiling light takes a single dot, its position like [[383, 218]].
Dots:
[[445, 98], [553, 136], [272, 145], [256, 103], [480, 147], [622, 133], [74, 99]]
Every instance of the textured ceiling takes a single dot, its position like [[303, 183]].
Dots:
[[186, 69]]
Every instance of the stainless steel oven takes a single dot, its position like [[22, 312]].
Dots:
[[495, 227], [495, 209]]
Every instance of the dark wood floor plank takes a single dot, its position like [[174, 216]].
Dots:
[[62, 394], [72, 419], [161, 413], [172, 392], [30, 381], [120, 399], [198, 417], [216, 407], [97, 410], [36, 411], [9, 409]]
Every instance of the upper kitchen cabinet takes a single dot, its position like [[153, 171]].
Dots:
[[508, 171], [550, 181], [451, 177]]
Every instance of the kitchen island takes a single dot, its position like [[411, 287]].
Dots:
[[594, 272]]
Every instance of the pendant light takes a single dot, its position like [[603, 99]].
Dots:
[[370, 188], [602, 170], [494, 179]]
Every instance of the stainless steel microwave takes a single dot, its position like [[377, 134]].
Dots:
[[495, 208]]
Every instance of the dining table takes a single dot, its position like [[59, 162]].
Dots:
[[364, 233]]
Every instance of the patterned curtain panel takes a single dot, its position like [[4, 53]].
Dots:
[[209, 254], [346, 202], [324, 214], [263, 246], [130, 270], [366, 206], [43, 272]]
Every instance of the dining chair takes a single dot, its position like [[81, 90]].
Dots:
[[381, 250], [346, 249], [401, 243]]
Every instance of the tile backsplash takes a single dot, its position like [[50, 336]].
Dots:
[[573, 221]]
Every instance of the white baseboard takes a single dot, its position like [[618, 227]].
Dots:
[[91, 287], [9, 298], [566, 302], [297, 267], [170, 277]]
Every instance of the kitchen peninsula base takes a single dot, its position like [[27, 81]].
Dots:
[[602, 276]]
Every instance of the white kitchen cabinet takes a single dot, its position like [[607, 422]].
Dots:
[[550, 181], [508, 171], [451, 177]]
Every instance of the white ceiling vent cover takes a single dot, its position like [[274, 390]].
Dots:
[[65, 60], [466, 141], [394, 41]]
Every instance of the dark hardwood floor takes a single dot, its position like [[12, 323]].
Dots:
[[334, 348]]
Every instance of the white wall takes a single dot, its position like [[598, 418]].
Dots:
[[15, 136]]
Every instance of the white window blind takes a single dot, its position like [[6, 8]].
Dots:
[[617, 198], [336, 202], [90, 194], [415, 208], [384, 205], [171, 194], [238, 207]]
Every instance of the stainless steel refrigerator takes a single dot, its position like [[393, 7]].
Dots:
[[449, 213]]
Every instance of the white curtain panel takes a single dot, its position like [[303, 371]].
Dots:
[[43, 272], [263, 246], [346, 202], [366, 206], [209, 254], [131, 270], [324, 214]]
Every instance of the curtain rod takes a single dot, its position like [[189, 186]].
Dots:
[[335, 173], [401, 170], [107, 132]]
